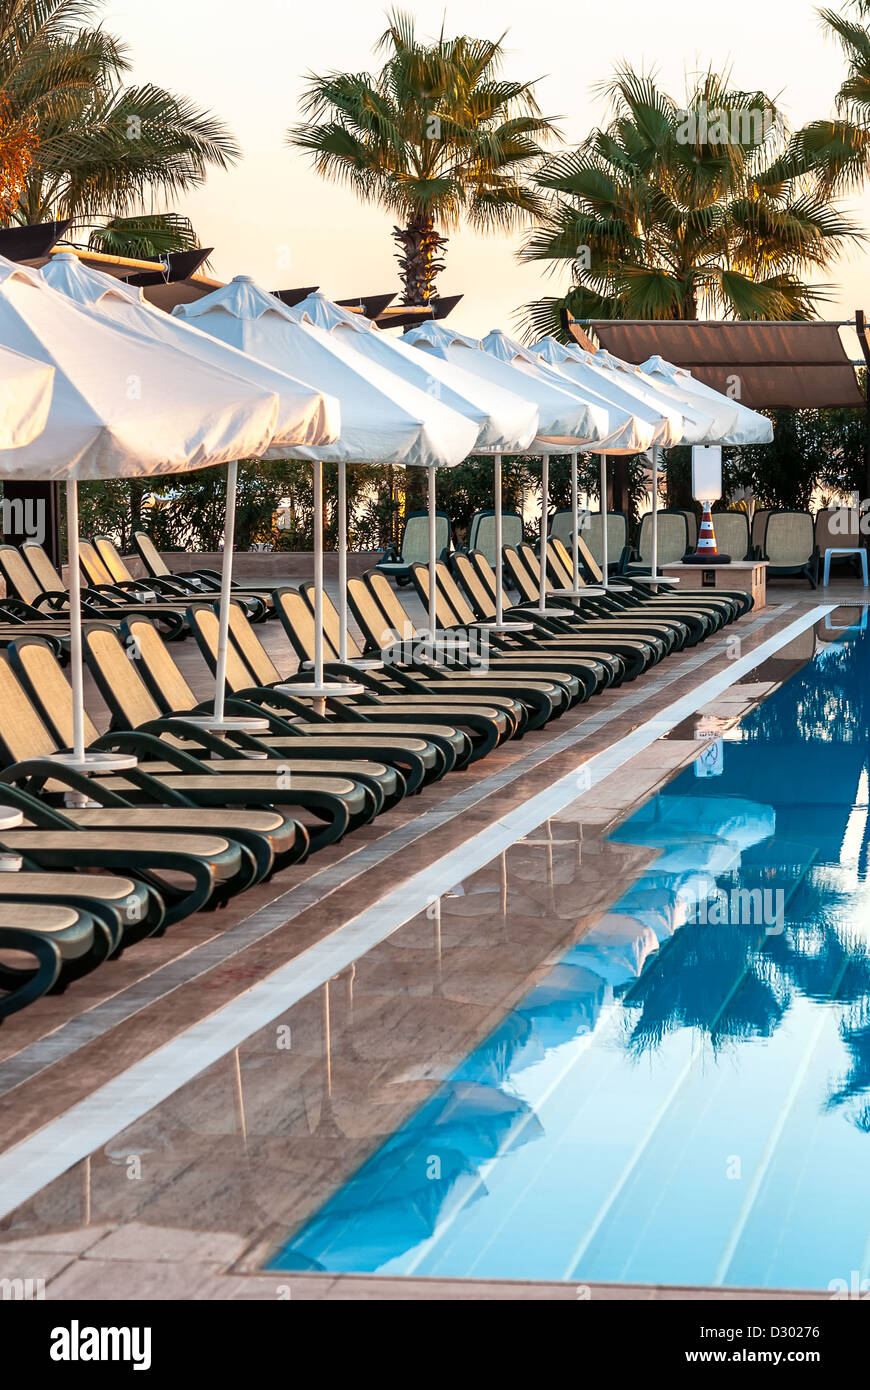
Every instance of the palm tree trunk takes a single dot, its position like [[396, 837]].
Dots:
[[420, 248]]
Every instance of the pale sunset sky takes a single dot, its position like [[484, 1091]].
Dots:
[[274, 218]]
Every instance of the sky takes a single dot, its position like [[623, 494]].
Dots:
[[272, 217]]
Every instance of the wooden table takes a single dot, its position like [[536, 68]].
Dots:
[[749, 576]]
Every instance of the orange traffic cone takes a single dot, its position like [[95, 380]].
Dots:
[[706, 546], [706, 551]]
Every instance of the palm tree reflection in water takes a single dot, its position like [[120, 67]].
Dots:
[[804, 751]]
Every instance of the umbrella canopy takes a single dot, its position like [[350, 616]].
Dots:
[[303, 416], [746, 427], [622, 433], [506, 422], [676, 418], [563, 420], [24, 398], [649, 424], [698, 421], [582, 419], [122, 406], [383, 418]]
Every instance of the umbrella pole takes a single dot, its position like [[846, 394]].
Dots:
[[342, 561], [318, 572], [545, 507], [499, 577], [432, 559], [318, 689], [603, 510], [226, 588], [499, 625], [654, 568], [79, 760], [75, 619], [575, 521]]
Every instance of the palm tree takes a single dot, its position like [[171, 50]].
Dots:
[[436, 136], [98, 146], [147, 236], [840, 148], [673, 212]]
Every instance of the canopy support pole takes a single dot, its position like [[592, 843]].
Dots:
[[318, 572], [226, 588], [575, 522], [499, 529], [654, 563], [342, 561], [433, 559], [545, 509], [499, 625], [603, 510], [75, 619], [318, 689], [79, 760]]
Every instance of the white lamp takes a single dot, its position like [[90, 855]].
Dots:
[[707, 472], [707, 489]]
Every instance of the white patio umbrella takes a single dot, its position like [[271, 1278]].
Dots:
[[303, 415], [695, 418], [506, 423], [733, 422], [746, 427], [559, 409], [702, 423], [25, 396], [618, 431], [121, 407], [383, 418], [663, 424]]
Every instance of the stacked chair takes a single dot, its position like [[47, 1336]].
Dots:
[[414, 545], [788, 544]]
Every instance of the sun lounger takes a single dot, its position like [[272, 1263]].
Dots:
[[481, 532], [197, 583], [379, 612], [40, 594], [167, 775], [535, 703], [43, 946], [422, 753]]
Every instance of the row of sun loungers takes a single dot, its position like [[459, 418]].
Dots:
[[201, 817]]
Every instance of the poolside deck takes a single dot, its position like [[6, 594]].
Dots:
[[251, 1137]]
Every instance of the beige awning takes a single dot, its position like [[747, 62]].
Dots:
[[783, 364]]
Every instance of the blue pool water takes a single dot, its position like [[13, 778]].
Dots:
[[686, 1097]]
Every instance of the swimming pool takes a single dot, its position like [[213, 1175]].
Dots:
[[685, 1098]]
